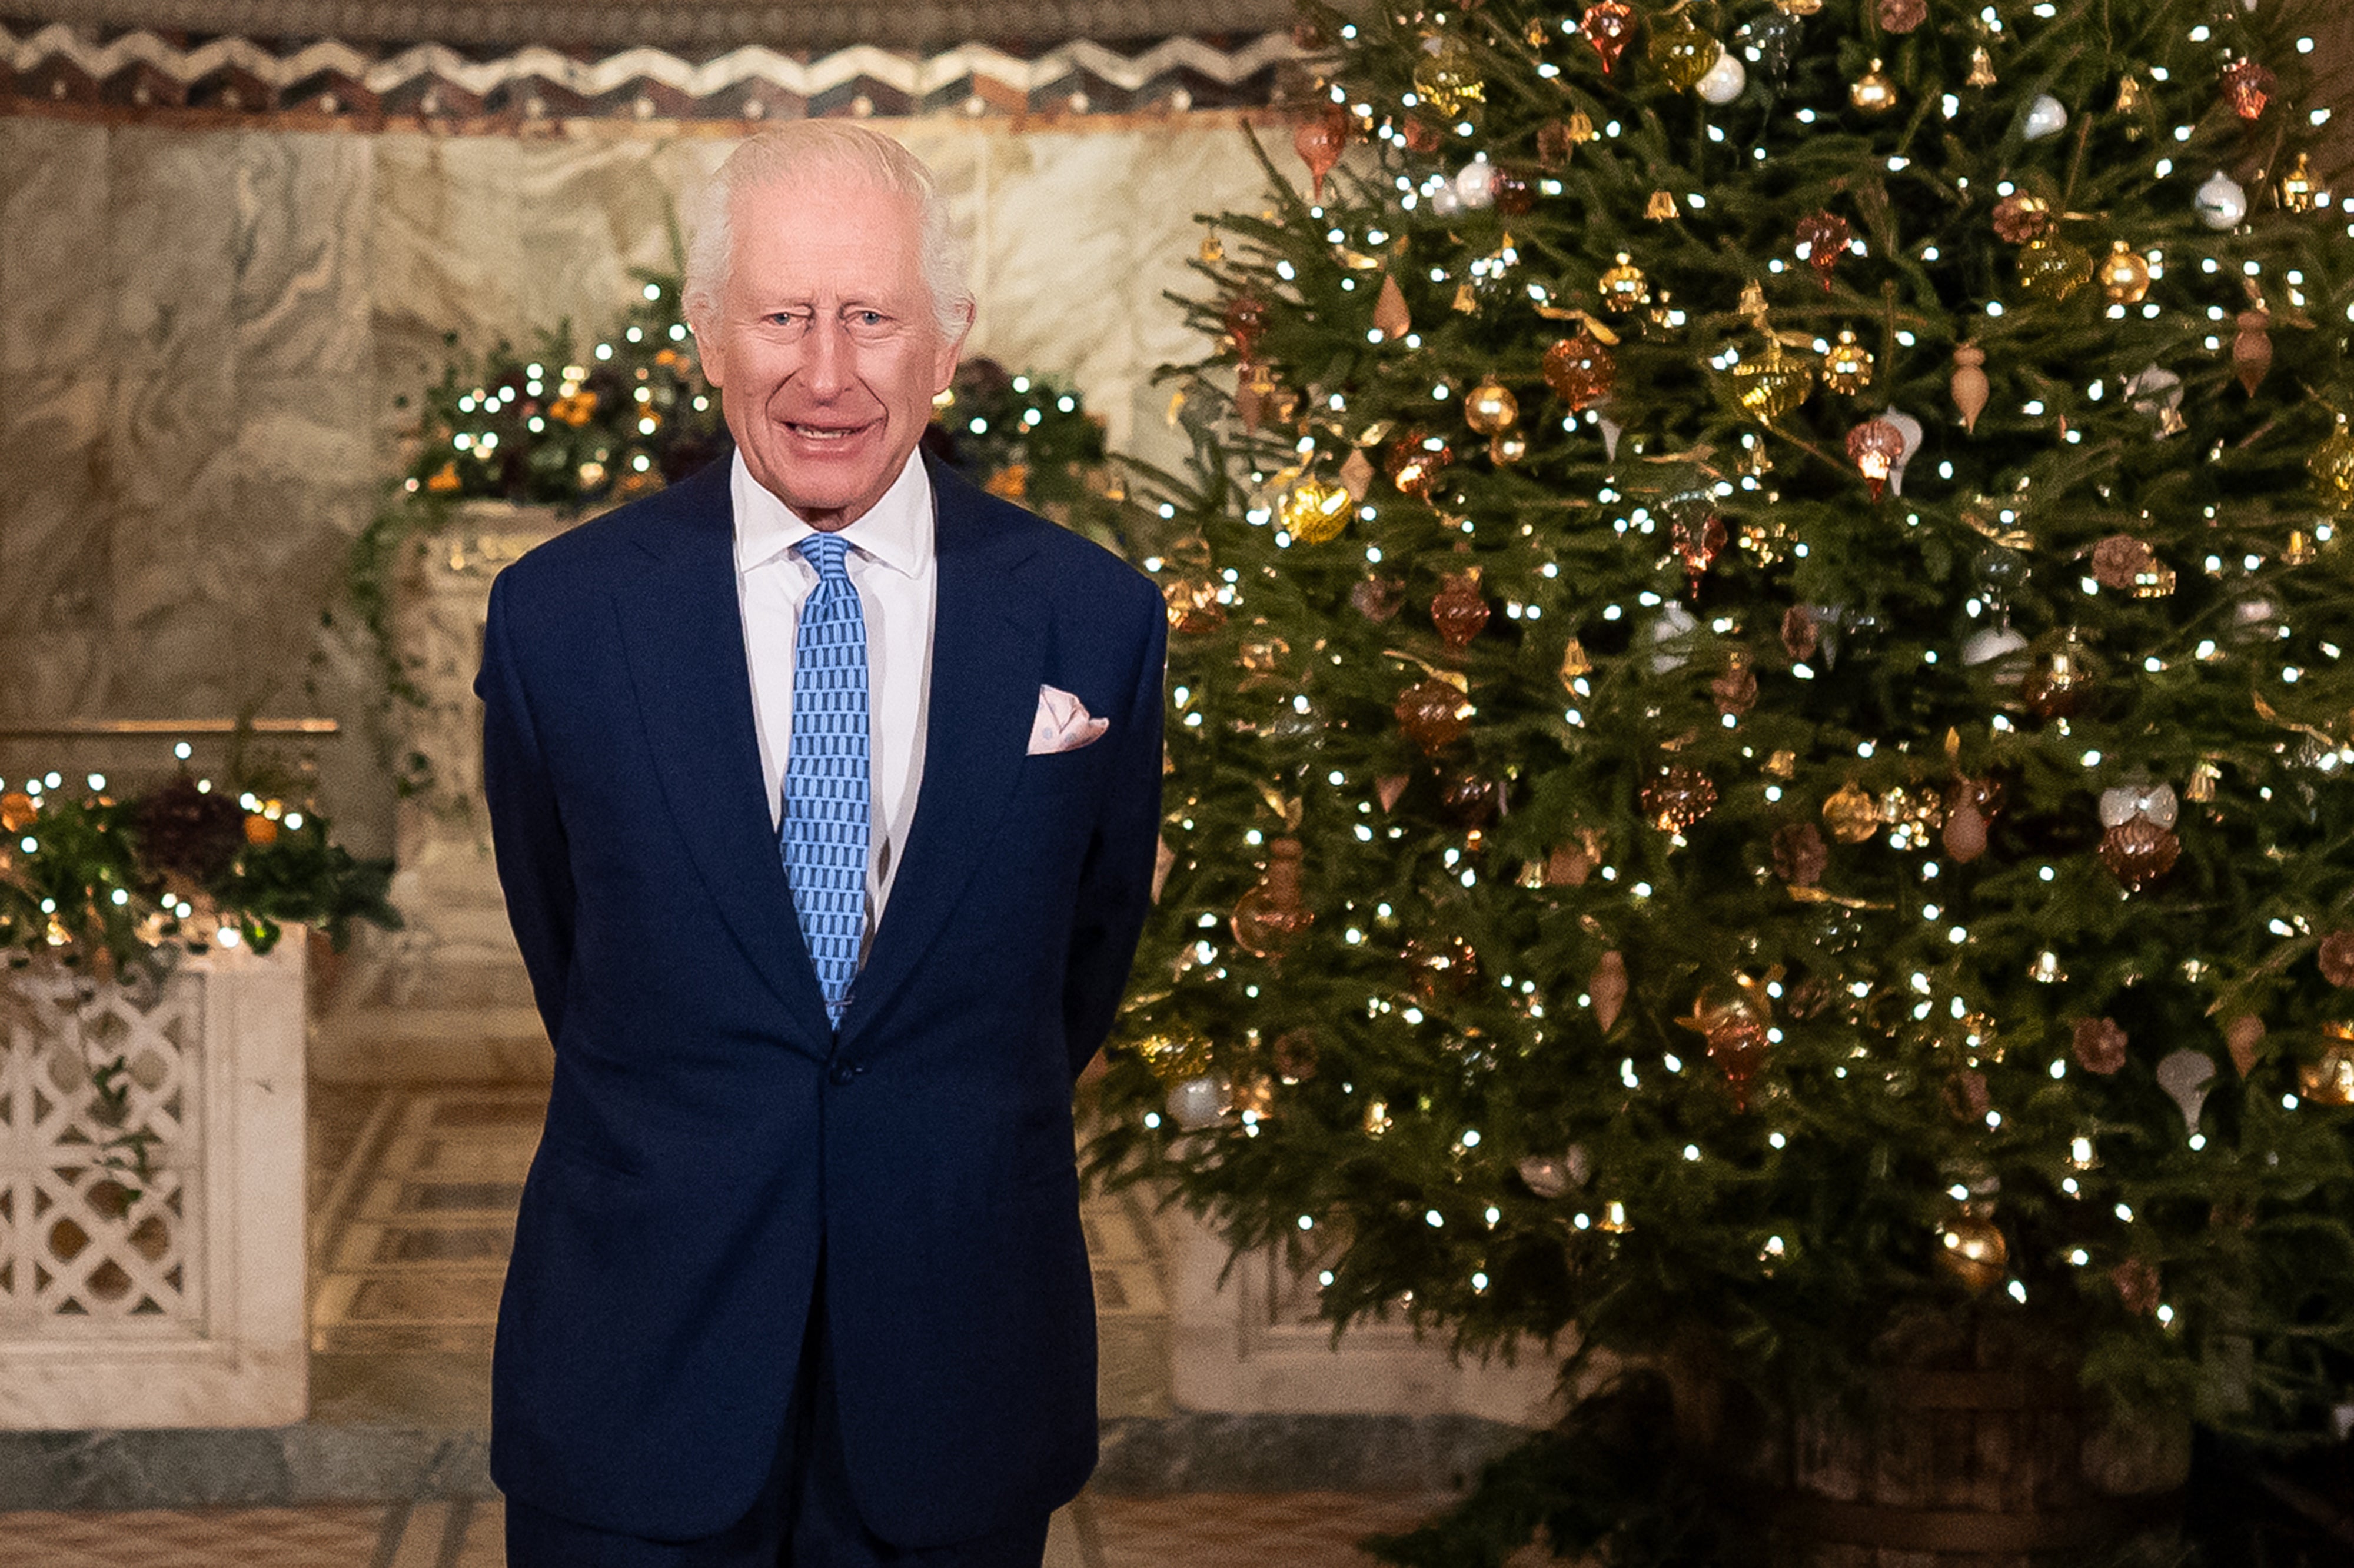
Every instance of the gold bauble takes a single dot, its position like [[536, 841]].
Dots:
[[1851, 815], [1175, 1058], [1971, 1248], [2330, 1080], [1799, 7], [18, 811], [2332, 466], [1682, 52], [1773, 385], [2296, 187], [1447, 75], [2124, 276], [261, 831], [1507, 446], [1874, 91], [1847, 368], [1490, 408], [1315, 511], [2051, 267], [1624, 287]]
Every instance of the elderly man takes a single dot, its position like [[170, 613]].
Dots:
[[825, 792]]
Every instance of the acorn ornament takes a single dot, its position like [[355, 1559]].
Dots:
[[1969, 385], [2138, 844]]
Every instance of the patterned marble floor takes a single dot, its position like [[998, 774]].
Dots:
[[412, 1206], [1309, 1529]]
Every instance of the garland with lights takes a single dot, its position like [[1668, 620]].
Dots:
[[1758, 704], [116, 889], [581, 430]]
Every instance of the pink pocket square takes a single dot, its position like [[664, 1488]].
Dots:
[[1063, 723]]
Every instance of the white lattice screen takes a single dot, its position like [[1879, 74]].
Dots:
[[173, 1299], [80, 1239]]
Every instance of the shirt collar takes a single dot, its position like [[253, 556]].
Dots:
[[897, 531]]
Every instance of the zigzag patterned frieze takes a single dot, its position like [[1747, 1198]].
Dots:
[[57, 62]]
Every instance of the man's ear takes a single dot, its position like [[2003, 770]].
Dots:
[[944, 367], [707, 348]]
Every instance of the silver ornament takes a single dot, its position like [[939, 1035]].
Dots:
[[2153, 802], [1725, 78], [1994, 642], [1197, 1103], [2221, 202], [1910, 428], [2045, 117], [1543, 1175], [1475, 187], [1675, 626], [2184, 1075], [1444, 200]]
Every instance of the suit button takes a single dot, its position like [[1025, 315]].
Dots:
[[842, 1071]]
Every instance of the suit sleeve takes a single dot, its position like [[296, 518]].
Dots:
[[526, 828], [1116, 885]]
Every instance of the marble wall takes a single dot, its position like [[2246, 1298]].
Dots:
[[203, 334]]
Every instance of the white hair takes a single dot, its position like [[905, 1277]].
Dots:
[[804, 152]]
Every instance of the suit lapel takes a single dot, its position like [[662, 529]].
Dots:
[[684, 633], [988, 653]]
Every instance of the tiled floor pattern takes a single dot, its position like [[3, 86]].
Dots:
[[413, 1200], [1307, 1529]]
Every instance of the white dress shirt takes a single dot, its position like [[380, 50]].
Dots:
[[894, 565]]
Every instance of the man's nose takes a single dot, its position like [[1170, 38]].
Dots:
[[830, 359]]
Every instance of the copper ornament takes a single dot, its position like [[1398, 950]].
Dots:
[[1699, 542], [18, 811], [1294, 1055], [1971, 1248], [1390, 315], [2330, 1080], [2336, 955], [1800, 856], [1434, 714], [1421, 136], [2248, 87], [1458, 611], [1607, 989], [2252, 351], [1969, 385], [1471, 799], [1581, 370], [2139, 851], [1735, 690], [1901, 16], [1678, 797], [2098, 1045], [1607, 26], [1967, 1096], [1442, 966], [1825, 235], [1513, 193], [1799, 633], [1875, 447], [1874, 91], [1245, 321], [1414, 462], [2240, 1037], [1270, 918], [1490, 407], [1193, 607], [1320, 142]]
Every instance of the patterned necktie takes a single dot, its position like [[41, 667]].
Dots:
[[827, 787]]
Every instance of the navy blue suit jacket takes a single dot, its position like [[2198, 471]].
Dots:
[[708, 1132]]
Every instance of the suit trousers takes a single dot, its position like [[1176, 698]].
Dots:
[[803, 1518]]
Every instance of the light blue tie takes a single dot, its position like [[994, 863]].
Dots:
[[827, 788]]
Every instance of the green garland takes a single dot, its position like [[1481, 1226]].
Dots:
[[578, 431]]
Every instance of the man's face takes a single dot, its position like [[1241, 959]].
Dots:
[[825, 344]]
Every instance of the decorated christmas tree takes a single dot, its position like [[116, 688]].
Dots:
[[1759, 708]]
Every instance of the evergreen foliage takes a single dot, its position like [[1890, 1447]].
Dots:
[[1950, 837]]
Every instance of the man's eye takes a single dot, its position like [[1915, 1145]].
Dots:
[[868, 318]]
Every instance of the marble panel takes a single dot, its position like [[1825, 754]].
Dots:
[[1084, 231], [54, 549], [300, 253], [55, 215]]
